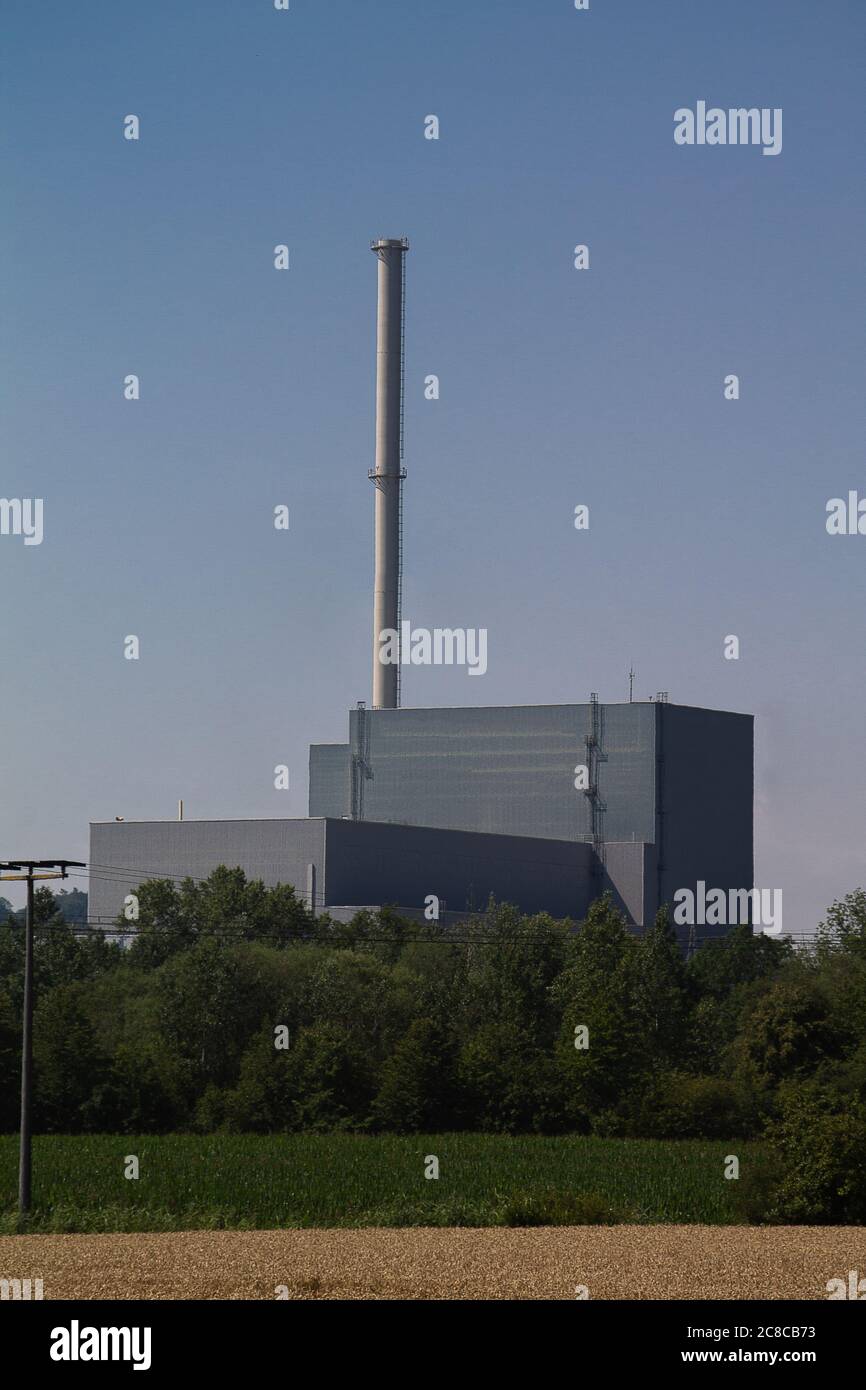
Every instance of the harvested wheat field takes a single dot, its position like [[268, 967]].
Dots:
[[632, 1262]]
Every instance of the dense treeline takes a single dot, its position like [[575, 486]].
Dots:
[[71, 904], [390, 1025]]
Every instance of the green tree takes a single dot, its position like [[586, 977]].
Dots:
[[509, 1084], [658, 992], [738, 958], [785, 1032], [816, 1154], [10, 1062], [418, 1088], [69, 1066], [209, 1002], [593, 992], [332, 1079], [228, 905], [844, 928]]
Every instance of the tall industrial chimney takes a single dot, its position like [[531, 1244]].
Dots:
[[389, 472]]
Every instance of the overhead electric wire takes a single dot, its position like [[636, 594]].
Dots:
[[128, 876]]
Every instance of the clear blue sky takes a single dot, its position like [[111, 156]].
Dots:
[[558, 387]]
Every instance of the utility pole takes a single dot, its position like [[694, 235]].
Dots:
[[24, 870]]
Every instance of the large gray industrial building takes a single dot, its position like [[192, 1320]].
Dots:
[[465, 803], [674, 780], [545, 806]]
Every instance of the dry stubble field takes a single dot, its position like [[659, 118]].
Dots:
[[631, 1262]]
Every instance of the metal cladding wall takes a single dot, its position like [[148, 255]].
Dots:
[[354, 863], [705, 820], [368, 862], [506, 770], [675, 778], [123, 855], [329, 780], [630, 878]]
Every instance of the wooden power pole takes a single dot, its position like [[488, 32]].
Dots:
[[25, 870]]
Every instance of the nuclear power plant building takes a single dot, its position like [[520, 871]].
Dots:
[[543, 806], [661, 793]]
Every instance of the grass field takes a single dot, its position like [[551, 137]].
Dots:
[[279, 1181]]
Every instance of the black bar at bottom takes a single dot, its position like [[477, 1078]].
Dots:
[[66, 1337]]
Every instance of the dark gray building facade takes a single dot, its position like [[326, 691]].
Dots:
[[348, 864]]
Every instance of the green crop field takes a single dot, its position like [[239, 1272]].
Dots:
[[252, 1182]]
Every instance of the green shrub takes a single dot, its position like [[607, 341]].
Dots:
[[559, 1209], [756, 1190], [817, 1149], [680, 1106]]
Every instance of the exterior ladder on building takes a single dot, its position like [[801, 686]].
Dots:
[[594, 757], [361, 769]]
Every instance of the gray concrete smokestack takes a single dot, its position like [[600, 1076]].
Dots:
[[388, 473]]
